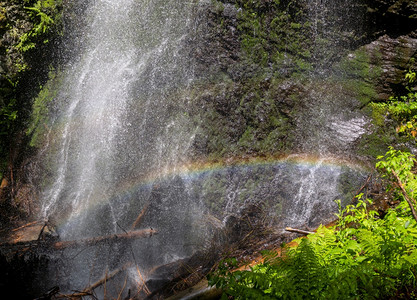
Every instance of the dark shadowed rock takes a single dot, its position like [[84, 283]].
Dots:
[[394, 57]]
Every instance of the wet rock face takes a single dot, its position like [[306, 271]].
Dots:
[[216, 48], [393, 17], [392, 30], [394, 56], [271, 84]]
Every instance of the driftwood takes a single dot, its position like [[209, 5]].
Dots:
[[140, 216], [91, 241], [298, 230], [89, 290]]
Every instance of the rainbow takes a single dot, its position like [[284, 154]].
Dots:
[[192, 170]]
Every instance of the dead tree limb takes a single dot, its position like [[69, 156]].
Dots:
[[106, 278], [26, 225], [404, 192], [140, 216], [91, 241], [42, 230], [143, 286], [363, 186], [298, 230], [74, 295]]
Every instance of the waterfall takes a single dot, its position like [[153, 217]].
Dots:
[[111, 130], [113, 123], [96, 93], [121, 135]]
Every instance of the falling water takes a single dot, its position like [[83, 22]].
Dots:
[[113, 124], [121, 134], [326, 126], [96, 96]]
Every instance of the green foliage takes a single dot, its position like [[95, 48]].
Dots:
[[43, 13], [39, 121], [398, 161], [364, 256], [26, 26], [402, 109], [8, 112]]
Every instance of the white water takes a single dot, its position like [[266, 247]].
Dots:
[[112, 105], [121, 117]]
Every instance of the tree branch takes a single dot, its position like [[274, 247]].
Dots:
[[298, 230], [404, 192]]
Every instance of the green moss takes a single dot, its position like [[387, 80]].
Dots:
[[361, 71], [39, 121], [376, 143], [378, 112], [274, 142], [276, 35], [218, 6], [364, 91], [248, 138], [361, 65]]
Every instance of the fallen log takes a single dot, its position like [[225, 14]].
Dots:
[[298, 230], [10, 249], [94, 240]]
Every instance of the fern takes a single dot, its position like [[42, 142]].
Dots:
[[41, 12], [306, 270], [363, 257]]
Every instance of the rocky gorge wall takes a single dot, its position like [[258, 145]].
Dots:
[[269, 77], [37, 37], [253, 57], [278, 72]]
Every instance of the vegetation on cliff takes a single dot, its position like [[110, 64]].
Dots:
[[276, 73], [31, 30], [366, 255], [26, 27], [283, 64]]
